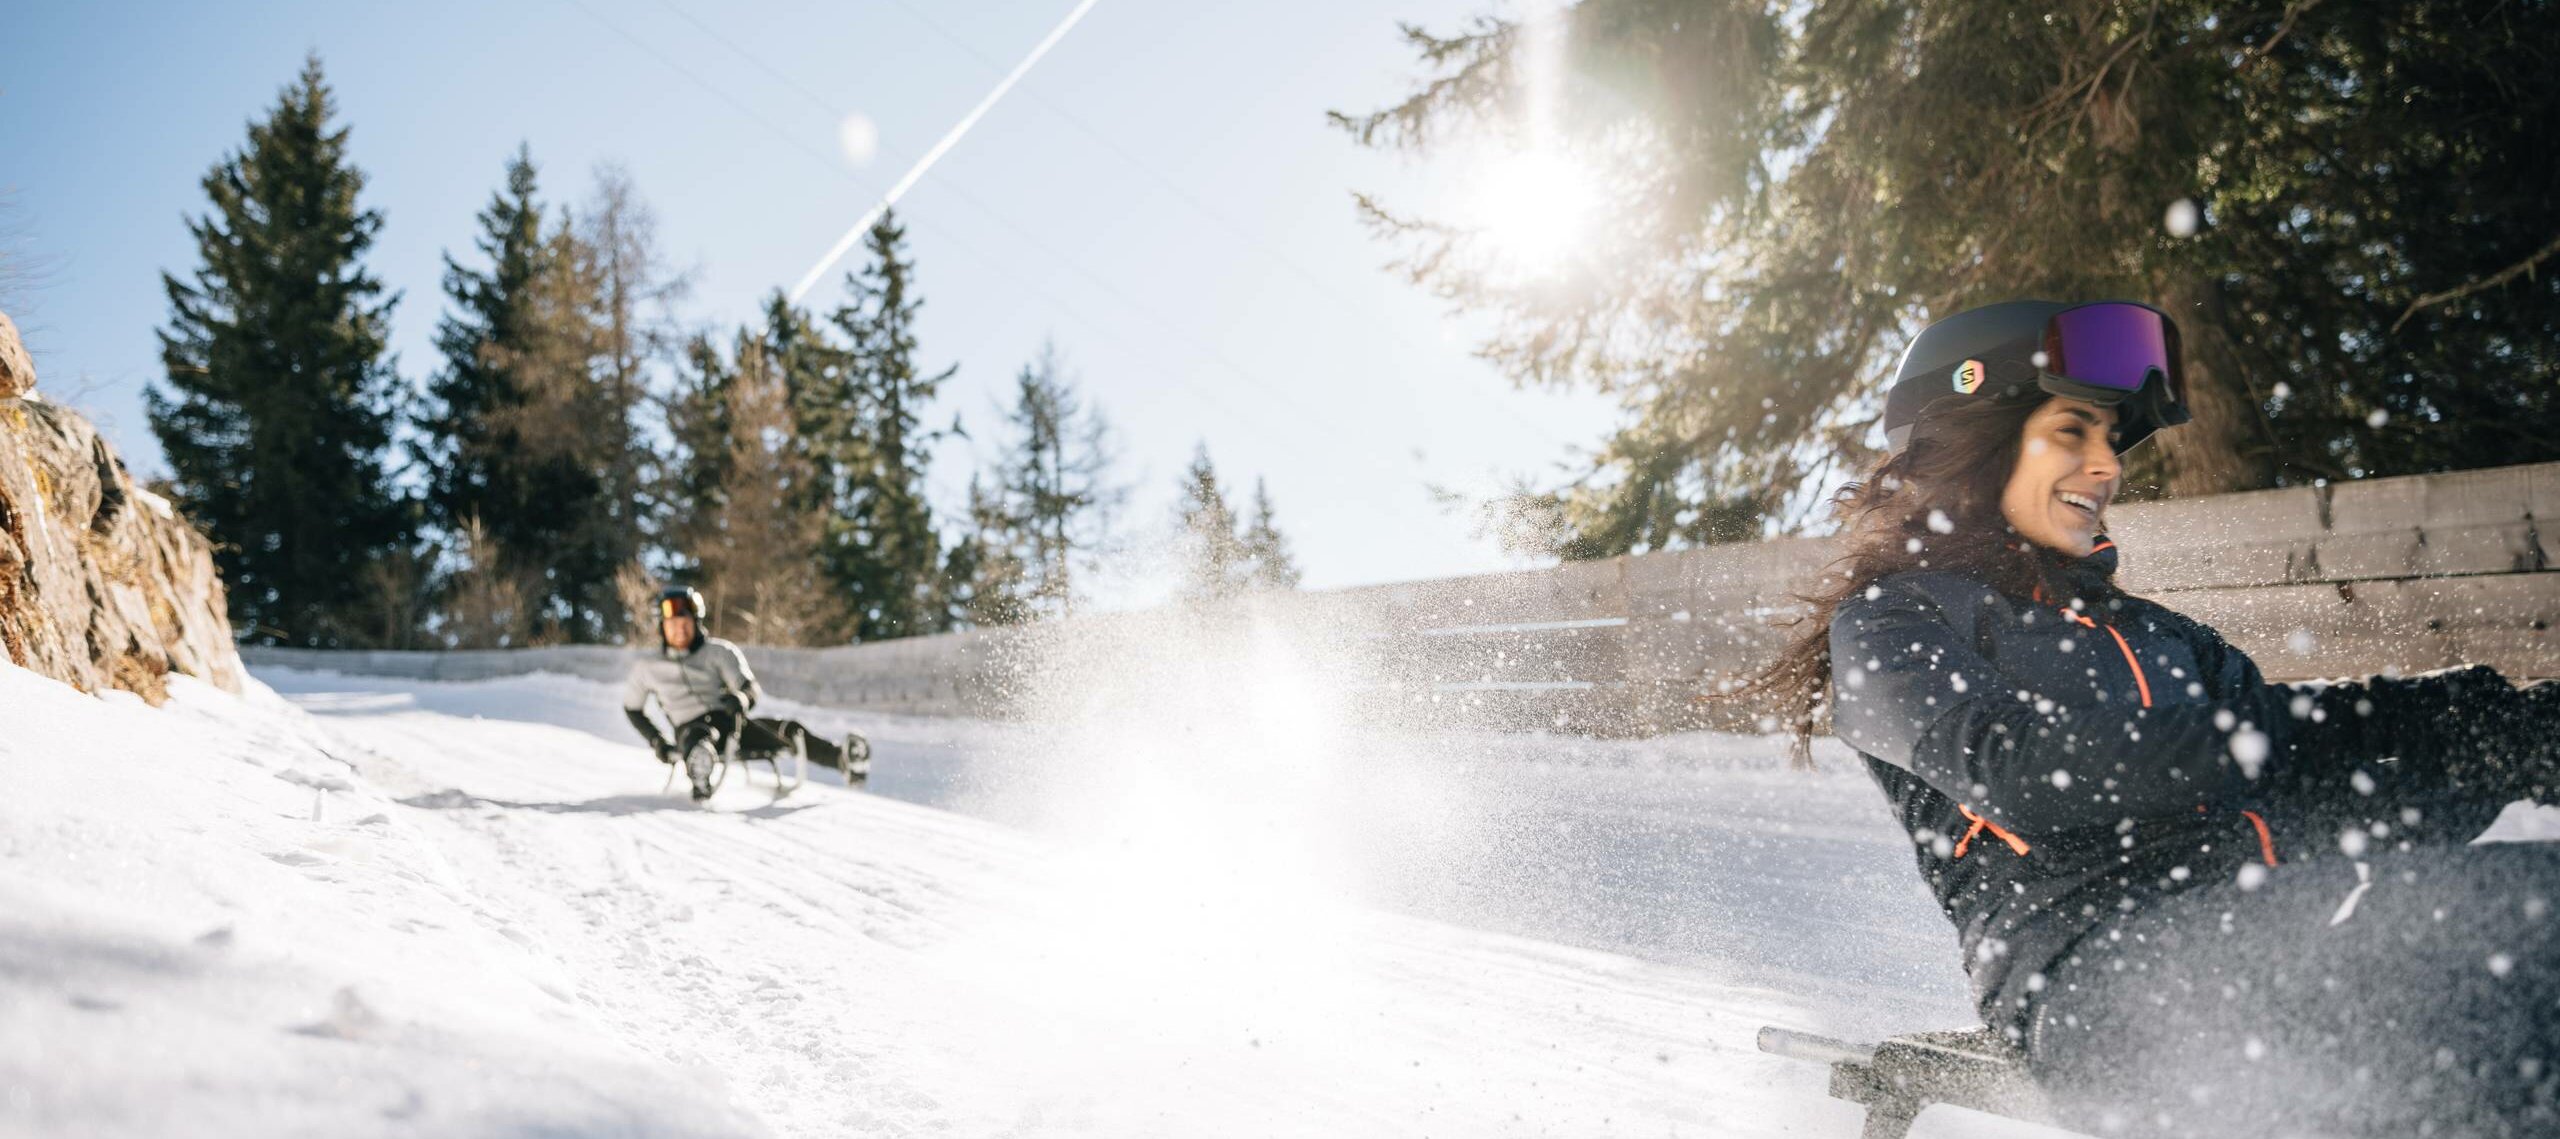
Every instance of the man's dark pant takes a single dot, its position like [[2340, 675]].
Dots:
[[760, 735]]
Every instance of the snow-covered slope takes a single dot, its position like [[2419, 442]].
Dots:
[[405, 908], [210, 924]]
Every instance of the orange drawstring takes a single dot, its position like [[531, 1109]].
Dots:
[[1980, 825], [2266, 841]]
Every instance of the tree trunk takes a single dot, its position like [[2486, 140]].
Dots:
[[2224, 447]]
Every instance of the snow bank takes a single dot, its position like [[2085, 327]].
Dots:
[[210, 925]]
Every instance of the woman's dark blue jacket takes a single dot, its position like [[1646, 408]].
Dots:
[[2057, 761]]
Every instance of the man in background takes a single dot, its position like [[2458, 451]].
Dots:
[[705, 688]]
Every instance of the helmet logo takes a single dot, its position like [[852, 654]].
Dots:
[[1969, 376]]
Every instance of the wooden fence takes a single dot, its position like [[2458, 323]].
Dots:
[[2351, 579]]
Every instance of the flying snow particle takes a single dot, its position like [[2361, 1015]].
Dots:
[[2252, 876], [2183, 218], [2300, 642], [1939, 523], [2352, 843], [2255, 1049], [2300, 707], [859, 137], [2223, 719], [2061, 779], [1912, 546], [1955, 680], [2281, 391], [2250, 747], [2378, 418], [2362, 782]]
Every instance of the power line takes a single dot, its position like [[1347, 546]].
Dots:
[[949, 139], [1100, 283], [1181, 193], [1176, 377]]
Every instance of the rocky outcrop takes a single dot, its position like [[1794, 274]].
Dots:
[[102, 585], [17, 372]]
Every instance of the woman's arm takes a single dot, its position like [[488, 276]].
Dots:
[[2456, 729], [1910, 690]]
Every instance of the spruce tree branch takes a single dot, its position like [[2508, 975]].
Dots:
[[2483, 284], [2292, 11]]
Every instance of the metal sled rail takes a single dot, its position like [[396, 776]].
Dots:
[[1897, 1079]]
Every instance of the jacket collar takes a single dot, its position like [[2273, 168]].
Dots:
[[2091, 575]]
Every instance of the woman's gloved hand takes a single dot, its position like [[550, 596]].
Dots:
[[2487, 734]]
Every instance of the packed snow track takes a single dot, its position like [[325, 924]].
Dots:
[[353, 906]]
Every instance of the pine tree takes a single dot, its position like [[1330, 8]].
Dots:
[[1055, 481], [1785, 191], [756, 541], [699, 463], [531, 430], [277, 411], [985, 583], [1213, 558], [636, 336], [475, 492], [1266, 553], [881, 548]]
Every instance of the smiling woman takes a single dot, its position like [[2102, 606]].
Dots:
[[2135, 835], [2065, 475]]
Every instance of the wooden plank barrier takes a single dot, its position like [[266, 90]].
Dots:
[[2351, 579]]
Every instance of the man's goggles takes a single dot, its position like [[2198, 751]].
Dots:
[[677, 607]]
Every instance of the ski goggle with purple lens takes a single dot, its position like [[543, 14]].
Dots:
[[2108, 352]]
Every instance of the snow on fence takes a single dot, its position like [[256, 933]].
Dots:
[[2348, 579]]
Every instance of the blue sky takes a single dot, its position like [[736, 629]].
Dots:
[[1162, 196]]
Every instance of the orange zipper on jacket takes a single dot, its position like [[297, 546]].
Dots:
[[2142, 685]]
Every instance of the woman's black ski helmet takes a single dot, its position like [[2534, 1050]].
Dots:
[[2121, 354]]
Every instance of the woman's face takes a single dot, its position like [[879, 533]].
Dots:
[[2066, 474]]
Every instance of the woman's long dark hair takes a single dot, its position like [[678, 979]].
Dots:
[[1934, 506]]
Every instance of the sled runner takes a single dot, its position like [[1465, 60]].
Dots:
[[1895, 1080], [731, 753]]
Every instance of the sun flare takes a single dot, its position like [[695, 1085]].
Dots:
[[1535, 207]]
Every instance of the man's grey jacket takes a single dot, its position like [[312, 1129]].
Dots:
[[690, 683]]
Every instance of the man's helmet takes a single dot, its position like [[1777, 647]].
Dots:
[[2118, 354], [682, 601]]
